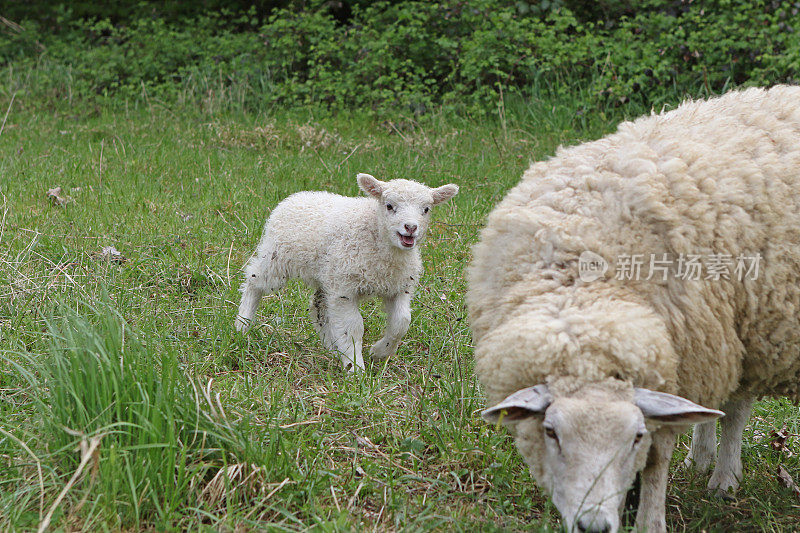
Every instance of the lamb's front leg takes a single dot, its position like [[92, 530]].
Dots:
[[728, 470], [398, 318], [651, 516], [346, 328]]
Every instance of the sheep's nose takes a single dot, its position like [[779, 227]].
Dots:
[[411, 228], [593, 525]]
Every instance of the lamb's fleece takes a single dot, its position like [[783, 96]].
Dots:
[[306, 241], [348, 249], [711, 177]]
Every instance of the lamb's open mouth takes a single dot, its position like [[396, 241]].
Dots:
[[406, 240]]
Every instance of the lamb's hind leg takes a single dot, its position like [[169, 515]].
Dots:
[[251, 297], [728, 470], [318, 312], [260, 279]]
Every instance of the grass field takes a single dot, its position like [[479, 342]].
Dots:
[[129, 403]]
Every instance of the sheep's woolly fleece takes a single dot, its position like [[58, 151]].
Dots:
[[715, 177]]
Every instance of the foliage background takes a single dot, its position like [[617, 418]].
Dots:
[[411, 56]]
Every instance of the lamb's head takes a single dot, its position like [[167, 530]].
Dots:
[[586, 441], [404, 207]]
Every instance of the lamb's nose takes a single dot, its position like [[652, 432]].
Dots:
[[411, 228]]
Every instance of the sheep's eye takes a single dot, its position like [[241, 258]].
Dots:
[[425, 211], [551, 433], [389, 207], [638, 438]]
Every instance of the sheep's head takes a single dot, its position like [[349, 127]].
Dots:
[[404, 207], [586, 443]]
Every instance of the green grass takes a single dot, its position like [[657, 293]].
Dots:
[[200, 428]]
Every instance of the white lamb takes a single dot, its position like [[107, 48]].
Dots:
[[596, 373], [348, 249]]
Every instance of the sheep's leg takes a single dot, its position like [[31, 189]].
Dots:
[[651, 515], [398, 318], [346, 329], [728, 470], [260, 279], [704, 446]]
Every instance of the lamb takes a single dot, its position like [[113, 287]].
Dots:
[[347, 249], [595, 366]]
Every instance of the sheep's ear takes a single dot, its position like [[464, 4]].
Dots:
[[370, 185], [444, 193], [532, 401], [671, 409]]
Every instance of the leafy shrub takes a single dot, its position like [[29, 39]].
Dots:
[[413, 55]]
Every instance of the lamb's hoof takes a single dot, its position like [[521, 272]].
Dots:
[[241, 324], [380, 352]]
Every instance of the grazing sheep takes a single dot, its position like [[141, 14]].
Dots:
[[595, 367], [347, 249]]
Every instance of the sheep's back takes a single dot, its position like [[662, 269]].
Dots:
[[711, 177]]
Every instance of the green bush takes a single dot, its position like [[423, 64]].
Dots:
[[413, 55]]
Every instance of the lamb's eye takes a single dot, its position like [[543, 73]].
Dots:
[[425, 211], [551, 433], [638, 438], [389, 207]]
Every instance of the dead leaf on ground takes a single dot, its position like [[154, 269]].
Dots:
[[786, 480], [57, 197], [364, 442], [779, 439], [110, 254]]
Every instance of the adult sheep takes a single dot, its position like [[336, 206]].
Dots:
[[596, 371]]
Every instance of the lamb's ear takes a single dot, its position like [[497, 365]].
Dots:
[[671, 409], [370, 185], [532, 401], [444, 193]]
